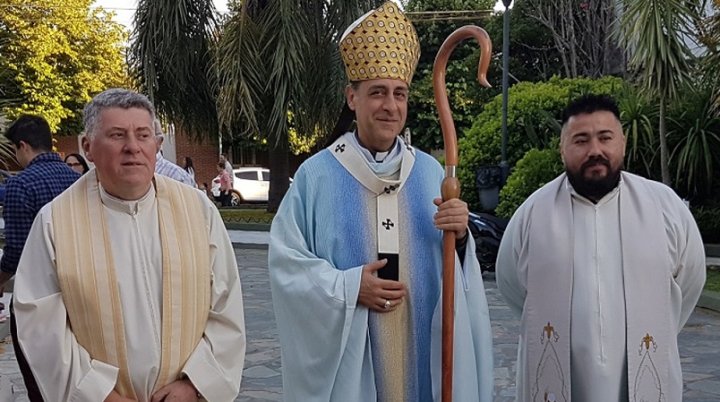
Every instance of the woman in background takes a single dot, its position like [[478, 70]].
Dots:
[[77, 163], [189, 167]]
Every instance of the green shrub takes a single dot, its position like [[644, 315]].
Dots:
[[242, 215], [533, 113], [708, 221], [534, 170], [713, 280]]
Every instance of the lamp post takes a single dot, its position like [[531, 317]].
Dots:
[[505, 169]]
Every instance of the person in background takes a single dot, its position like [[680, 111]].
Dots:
[[229, 169], [44, 176], [77, 163], [189, 167], [225, 197], [167, 168]]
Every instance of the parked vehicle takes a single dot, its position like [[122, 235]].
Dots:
[[487, 230], [251, 184]]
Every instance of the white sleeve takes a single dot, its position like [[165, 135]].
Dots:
[[63, 369], [690, 269], [510, 276], [215, 366]]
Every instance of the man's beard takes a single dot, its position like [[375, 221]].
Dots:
[[594, 188]]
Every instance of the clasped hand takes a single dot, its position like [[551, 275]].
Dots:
[[381, 295]]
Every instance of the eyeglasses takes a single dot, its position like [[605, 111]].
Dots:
[[71, 164]]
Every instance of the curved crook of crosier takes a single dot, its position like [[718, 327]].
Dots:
[[441, 98], [451, 186]]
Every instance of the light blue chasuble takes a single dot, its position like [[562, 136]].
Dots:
[[332, 221]]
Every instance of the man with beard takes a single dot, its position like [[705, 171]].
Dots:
[[605, 268]]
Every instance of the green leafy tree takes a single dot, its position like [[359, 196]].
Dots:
[[268, 58], [533, 57], [694, 135], [54, 56], [461, 78], [533, 113], [652, 30], [537, 168]]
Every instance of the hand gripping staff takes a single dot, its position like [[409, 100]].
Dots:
[[451, 185]]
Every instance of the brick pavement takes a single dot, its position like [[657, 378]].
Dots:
[[699, 344]]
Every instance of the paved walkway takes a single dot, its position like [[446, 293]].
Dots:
[[699, 344]]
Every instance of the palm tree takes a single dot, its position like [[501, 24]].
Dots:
[[712, 61], [171, 58], [652, 32], [270, 59]]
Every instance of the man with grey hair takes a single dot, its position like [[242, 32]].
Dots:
[[132, 291], [167, 168]]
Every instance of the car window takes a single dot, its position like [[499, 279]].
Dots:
[[246, 175], [266, 176]]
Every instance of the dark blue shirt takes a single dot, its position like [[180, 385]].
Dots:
[[42, 180]]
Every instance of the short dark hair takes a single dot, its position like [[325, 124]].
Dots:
[[33, 130], [590, 103]]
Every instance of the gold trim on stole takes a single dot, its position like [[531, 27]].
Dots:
[[87, 278]]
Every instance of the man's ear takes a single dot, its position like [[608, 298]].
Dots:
[[160, 140], [85, 143], [350, 97]]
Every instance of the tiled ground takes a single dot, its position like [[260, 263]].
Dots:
[[699, 344]]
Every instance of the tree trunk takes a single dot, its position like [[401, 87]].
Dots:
[[572, 40], [664, 157], [279, 173]]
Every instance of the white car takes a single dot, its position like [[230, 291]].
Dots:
[[251, 184]]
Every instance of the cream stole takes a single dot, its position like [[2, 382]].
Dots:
[[646, 275], [88, 281]]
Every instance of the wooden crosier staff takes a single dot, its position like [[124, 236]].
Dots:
[[451, 185]]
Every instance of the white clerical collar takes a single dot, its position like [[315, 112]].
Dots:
[[377, 157], [130, 207], [380, 156], [389, 166]]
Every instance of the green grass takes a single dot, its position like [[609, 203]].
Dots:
[[713, 280], [241, 215]]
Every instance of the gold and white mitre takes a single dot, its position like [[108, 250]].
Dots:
[[380, 44]]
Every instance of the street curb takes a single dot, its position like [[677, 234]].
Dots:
[[710, 300], [252, 227], [712, 250], [250, 246]]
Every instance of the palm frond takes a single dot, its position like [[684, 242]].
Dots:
[[652, 31], [239, 68], [696, 153], [171, 56], [285, 38]]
